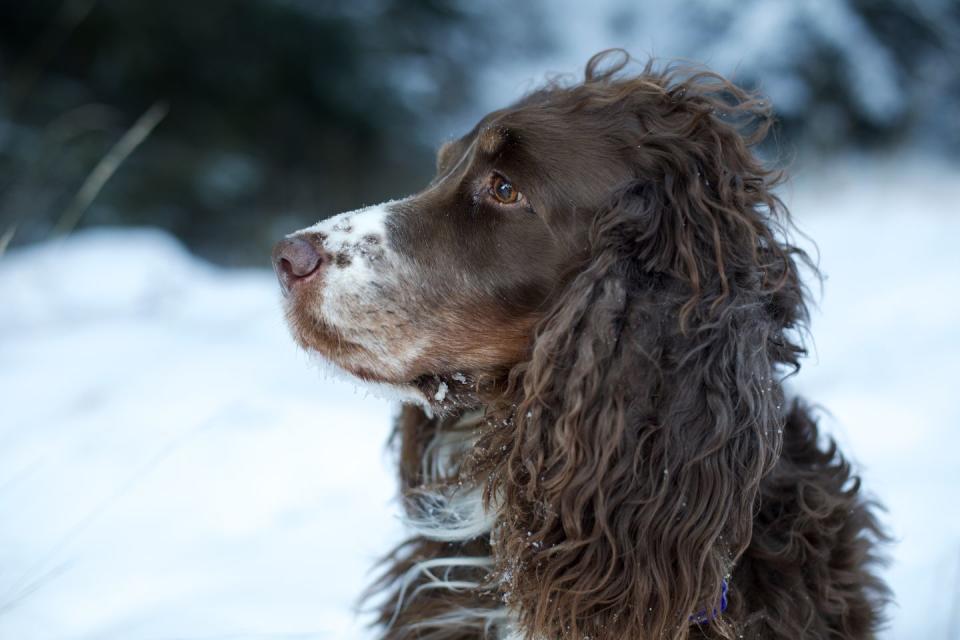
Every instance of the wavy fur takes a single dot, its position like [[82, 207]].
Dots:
[[642, 454]]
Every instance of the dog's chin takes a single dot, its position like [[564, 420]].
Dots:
[[360, 365], [338, 357], [324, 342], [435, 394], [356, 362], [408, 392]]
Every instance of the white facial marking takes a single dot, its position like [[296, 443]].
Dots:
[[356, 223], [362, 266], [356, 242]]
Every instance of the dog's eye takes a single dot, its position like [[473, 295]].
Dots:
[[504, 191]]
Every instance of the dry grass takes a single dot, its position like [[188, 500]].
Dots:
[[108, 165]]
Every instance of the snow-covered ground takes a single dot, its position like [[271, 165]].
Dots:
[[172, 467]]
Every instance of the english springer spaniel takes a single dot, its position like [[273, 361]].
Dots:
[[590, 311]]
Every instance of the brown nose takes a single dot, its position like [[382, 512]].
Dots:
[[295, 260]]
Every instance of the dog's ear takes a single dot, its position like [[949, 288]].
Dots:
[[650, 408]]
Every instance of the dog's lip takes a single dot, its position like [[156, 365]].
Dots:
[[289, 286]]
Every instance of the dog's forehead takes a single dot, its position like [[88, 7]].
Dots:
[[491, 138]]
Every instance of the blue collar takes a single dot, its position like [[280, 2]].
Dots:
[[705, 616]]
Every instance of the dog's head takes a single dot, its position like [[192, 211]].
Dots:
[[612, 250], [453, 279]]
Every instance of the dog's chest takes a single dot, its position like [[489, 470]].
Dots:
[[450, 581]]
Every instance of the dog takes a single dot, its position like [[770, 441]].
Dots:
[[589, 313]]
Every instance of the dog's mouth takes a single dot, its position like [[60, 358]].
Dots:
[[434, 393], [341, 357], [323, 341]]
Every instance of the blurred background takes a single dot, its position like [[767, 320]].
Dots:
[[279, 111], [170, 468]]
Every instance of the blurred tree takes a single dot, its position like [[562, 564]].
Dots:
[[841, 73], [279, 112], [856, 73]]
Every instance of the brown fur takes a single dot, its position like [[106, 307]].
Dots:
[[636, 314]]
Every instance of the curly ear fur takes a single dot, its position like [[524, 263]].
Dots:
[[651, 408], [642, 455]]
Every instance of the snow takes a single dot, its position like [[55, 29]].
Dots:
[[887, 341], [172, 466]]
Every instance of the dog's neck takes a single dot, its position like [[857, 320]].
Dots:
[[446, 579]]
